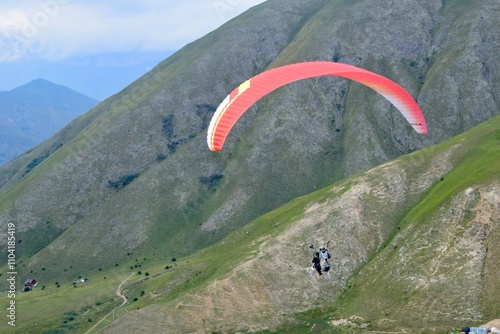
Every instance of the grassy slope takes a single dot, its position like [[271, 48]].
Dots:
[[71, 183], [167, 220], [194, 282], [481, 151], [192, 275], [377, 292], [184, 275]]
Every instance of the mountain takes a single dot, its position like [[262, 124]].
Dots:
[[414, 246], [414, 243], [98, 76], [131, 185], [34, 112]]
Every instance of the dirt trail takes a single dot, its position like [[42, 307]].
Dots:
[[493, 323], [119, 294]]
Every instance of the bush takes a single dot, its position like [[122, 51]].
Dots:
[[211, 180], [123, 181], [168, 126], [35, 162]]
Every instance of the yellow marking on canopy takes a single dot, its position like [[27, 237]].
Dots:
[[241, 89]]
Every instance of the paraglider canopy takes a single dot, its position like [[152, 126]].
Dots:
[[246, 94]]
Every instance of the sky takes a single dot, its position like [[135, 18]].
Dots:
[[98, 47]]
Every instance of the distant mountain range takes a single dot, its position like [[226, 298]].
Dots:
[[34, 112], [98, 76]]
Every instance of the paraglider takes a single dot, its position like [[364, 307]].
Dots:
[[246, 94], [321, 259]]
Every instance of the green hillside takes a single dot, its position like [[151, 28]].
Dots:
[[131, 185], [400, 251], [134, 174], [413, 262]]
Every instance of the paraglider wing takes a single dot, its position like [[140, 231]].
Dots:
[[246, 94]]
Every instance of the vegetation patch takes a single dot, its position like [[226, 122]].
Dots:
[[211, 180], [123, 181], [35, 162], [168, 126], [204, 111]]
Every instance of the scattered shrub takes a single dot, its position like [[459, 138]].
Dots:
[[211, 180], [35, 162], [168, 126], [204, 111], [123, 181]]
